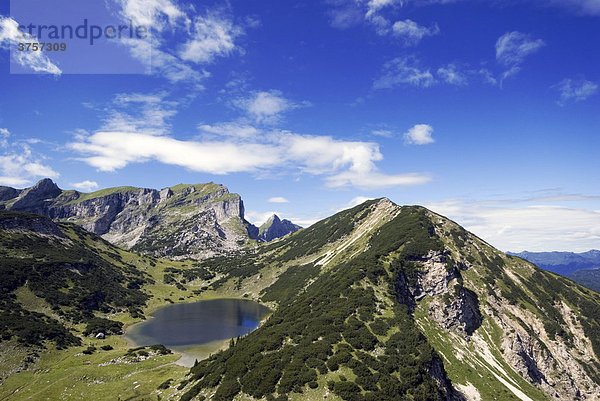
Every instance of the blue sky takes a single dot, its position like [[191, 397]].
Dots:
[[484, 111]]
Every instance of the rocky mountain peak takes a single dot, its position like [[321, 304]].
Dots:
[[36, 198], [274, 228]]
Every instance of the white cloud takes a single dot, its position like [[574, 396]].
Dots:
[[213, 36], [11, 36], [19, 166], [411, 32], [156, 14], [86, 186], [404, 70], [575, 90], [113, 150], [265, 106], [278, 199], [512, 48], [374, 6], [528, 227], [420, 134], [451, 75], [343, 163]]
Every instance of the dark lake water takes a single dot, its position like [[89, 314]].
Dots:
[[197, 323]]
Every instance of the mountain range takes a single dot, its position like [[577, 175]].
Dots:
[[563, 263], [183, 221], [583, 267], [377, 302]]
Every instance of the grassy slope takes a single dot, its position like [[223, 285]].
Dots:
[[60, 374]]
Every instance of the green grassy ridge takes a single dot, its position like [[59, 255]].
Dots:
[[327, 327]]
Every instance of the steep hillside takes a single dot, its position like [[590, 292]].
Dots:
[[184, 221], [60, 286], [386, 302], [274, 228], [56, 264]]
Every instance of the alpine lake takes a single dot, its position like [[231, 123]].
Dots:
[[197, 329]]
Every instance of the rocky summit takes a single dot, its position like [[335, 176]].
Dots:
[[274, 228], [183, 221]]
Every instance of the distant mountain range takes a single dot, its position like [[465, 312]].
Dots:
[[563, 263], [583, 267], [183, 221]]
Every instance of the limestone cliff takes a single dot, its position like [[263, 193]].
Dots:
[[196, 221]]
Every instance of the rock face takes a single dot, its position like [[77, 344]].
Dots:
[[274, 228], [196, 221]]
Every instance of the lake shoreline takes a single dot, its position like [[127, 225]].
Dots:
[[207, 317]]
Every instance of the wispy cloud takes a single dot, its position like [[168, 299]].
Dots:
[[451, 74], [575, 90], [411, 32], [139, 112], [278, 199], [404, 70], [512, 48], [382, 132], [265, 106], [376, 13], [213, 36], [36, 61], [420, 134], [157, 14], [86, 185], [229, 129], [181, 41]]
